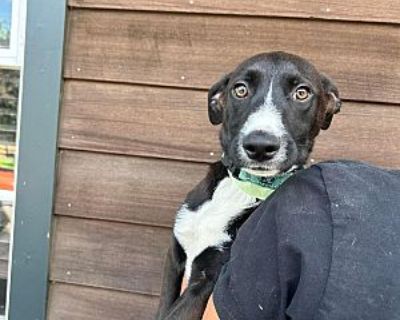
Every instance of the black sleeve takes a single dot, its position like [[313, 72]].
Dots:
[[284, 248], [325, 246]]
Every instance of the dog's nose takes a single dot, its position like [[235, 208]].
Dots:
[[260, 145]]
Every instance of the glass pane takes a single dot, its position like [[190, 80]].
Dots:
[[5, 23], [9, 87]]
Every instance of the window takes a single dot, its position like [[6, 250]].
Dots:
[[9, 87], [12, 34]]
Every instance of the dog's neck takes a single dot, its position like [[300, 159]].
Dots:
[[258, 184]]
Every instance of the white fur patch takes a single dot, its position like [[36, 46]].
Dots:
[[262, 173], [268, 119], [206, 226]]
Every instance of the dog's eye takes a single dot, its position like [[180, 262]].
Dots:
[[302, 93], [240, 90]]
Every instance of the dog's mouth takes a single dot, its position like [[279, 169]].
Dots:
[[276, 164], [263, 169], [287, 159]]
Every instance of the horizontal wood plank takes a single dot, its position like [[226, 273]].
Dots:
[[358, 10], [145, 191], [68, 302], [195, 50], [138, 120], [172, 123], [364, 132], [109, 255]]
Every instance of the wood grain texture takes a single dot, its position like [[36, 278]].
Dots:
[[172, 123], [195, 50], [364, 132], [68, 302], [358, 10], [144, 191], [110, 255], [138, 120]]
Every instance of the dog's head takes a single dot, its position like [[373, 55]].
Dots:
[[272, 106]]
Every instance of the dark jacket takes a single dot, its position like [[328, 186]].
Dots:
[[325, 246]]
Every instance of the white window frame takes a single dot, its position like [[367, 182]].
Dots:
[[13, 56]]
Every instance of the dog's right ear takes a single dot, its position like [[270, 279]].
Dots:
[[216, 100]]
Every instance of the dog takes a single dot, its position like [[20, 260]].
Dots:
[[271, 107]]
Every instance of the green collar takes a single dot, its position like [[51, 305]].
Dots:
[[258, 186]]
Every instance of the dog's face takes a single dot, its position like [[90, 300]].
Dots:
[[271, 109]]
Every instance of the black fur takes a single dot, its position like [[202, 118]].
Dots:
[[205, 189], [234, 225], [302, 122]]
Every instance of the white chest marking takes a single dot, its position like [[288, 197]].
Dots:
[[206, 226]]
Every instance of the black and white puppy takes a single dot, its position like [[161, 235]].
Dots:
[[272, 106]]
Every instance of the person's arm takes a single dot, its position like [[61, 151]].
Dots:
[[326, 245], [283, 249]]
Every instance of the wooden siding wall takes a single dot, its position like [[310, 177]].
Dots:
[[135, 138]]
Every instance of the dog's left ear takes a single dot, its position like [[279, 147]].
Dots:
[[216, 100], [332, 97]]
